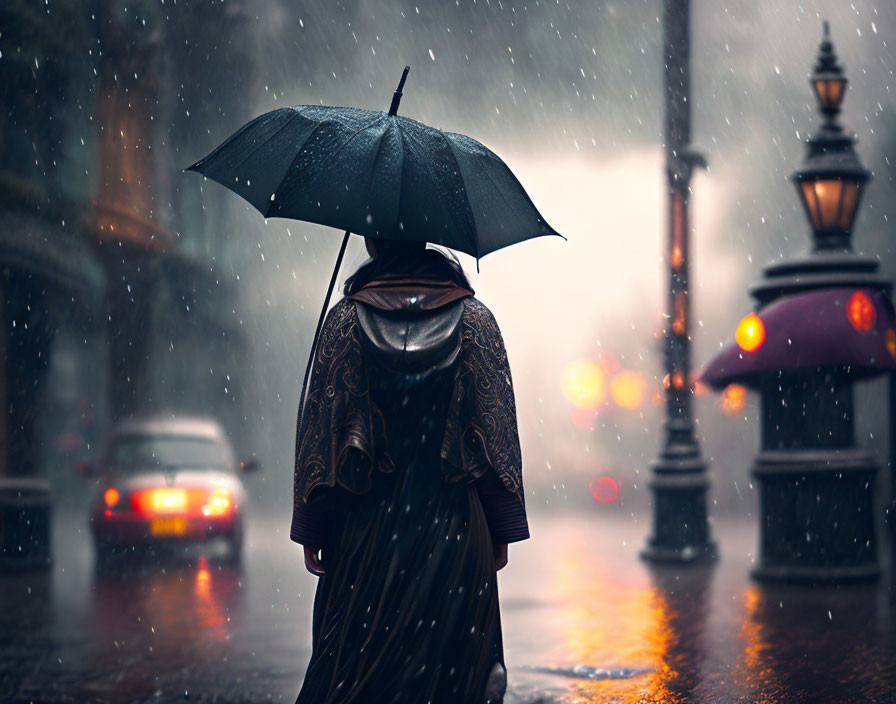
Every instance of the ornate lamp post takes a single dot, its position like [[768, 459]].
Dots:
[[831, 181], [679, 482], [823, 321]]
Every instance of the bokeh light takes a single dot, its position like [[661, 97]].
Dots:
[[628, 389], [605, 489], [733, 399], [860, 311], [750, 333], [111, 497], [585, 384]]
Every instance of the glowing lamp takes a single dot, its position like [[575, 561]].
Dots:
[[830, 200], [827, 79], [831, 181], [829, 89], [750, 333], [861, 313], [111, 497], [891, 342]]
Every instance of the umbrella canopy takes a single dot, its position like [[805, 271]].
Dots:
[[836, 327], [378, 175]]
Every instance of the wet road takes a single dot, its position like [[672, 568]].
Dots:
[[584, 621]]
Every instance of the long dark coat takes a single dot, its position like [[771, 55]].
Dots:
[[408, 469]]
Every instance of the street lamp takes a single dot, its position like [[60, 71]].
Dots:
[[831, 181], [823, 321], [828, 80], [679, 479]]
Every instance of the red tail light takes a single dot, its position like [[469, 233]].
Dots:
[[219, 503], [165, 500], [111, 497], [185, 502]]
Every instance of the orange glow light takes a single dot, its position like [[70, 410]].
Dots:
[[111, 497], [161, 501], [830, 91], [891, 342], [218, 504], [750, 333], [677, 381], [628, 389], [733, 399], [860, 311], [584, 384], [678, 324]]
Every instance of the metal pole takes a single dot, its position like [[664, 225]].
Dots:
[[891, 513], [679, 482]]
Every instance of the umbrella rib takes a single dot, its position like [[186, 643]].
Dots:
[[400, 177], [376, 156], [501, 193], [273, 136], [466, 197], [341, 147], [436, 183]]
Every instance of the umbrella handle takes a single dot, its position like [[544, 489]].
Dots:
[[396, 97], [320, 324]]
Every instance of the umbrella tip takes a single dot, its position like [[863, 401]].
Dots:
[[396, 97]]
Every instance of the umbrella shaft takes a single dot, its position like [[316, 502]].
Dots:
[[320, 324]]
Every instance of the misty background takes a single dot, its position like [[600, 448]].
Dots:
[[569, 94]]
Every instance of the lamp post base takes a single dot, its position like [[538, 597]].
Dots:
[[25, 505], [815, 575], [680, 525], [817, 521]]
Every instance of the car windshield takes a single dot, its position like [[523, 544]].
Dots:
[[141, 452]]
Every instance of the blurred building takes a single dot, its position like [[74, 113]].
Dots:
[[112, 303]]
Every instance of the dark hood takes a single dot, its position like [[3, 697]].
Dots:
[[410, 319], [412, 340]]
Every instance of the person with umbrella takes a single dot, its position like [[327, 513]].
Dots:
[[408, 474]]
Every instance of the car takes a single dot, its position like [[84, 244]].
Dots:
[[164, 481]]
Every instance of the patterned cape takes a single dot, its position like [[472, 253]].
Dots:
[[344, 436]]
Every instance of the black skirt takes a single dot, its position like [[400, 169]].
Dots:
[[408, 608]]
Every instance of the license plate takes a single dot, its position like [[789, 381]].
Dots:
[[167, 526]]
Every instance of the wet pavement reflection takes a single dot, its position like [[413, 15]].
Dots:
[[584, 621], [613, 630]]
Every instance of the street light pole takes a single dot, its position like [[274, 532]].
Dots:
[[679, 481], [823, 322]]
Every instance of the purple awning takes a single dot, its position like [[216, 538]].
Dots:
[[836, 327]]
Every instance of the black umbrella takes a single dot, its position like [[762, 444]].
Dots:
[[378, 175]]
